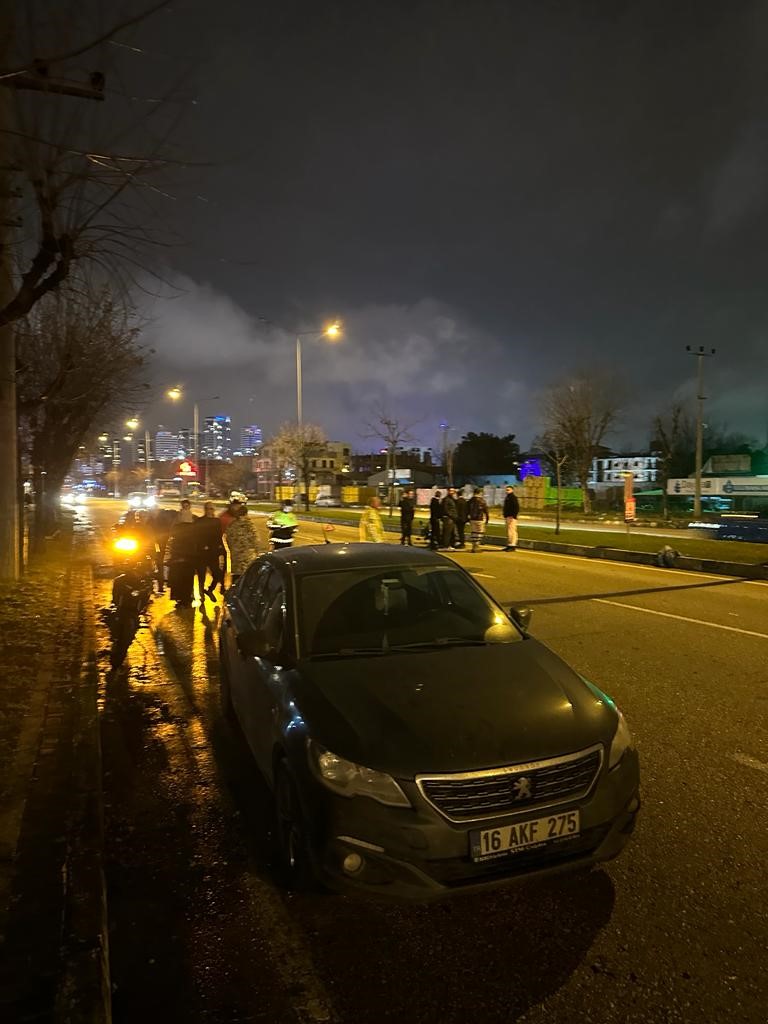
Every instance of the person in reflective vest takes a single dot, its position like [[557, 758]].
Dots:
[[282, 526]]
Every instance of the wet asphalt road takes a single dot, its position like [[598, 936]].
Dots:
[[675, 930]]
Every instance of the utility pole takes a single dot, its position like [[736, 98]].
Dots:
[[10, 561], [701, 353], [38, 80]]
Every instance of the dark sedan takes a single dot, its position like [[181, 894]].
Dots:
[[417, 740]]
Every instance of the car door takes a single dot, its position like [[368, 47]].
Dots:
[[242, 602], [264, 698]]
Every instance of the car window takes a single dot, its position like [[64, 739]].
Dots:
[[272, 611], [252, 587], [382, 607]]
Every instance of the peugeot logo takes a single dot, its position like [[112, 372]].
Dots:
[[521, 788]]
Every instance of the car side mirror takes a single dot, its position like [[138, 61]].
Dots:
[[521, 617]]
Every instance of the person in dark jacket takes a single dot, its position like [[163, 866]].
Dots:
[[162, 522], [510, 512], [461, 518], [181, 556], [407, 512], [450, 514], [435, 514], [477, 510], [209, 552]]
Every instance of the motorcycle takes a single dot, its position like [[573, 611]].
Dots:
[[131, 593]]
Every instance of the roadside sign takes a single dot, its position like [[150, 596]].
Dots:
[[630, 505]]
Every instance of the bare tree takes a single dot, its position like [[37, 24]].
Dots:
[[86, 175], [82, 365], [296, 446], [74, 175], [394, 434], [553, 448], [579, 412]]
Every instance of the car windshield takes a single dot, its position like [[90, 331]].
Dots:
[[383, 610]]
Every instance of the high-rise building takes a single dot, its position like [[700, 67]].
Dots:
[[250, 440], [185, 445], [166, 445], [217, 438]]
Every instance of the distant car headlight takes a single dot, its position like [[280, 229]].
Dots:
[[349, 779], [149, 502], [622, 742]]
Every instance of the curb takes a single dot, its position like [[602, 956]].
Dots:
[[707, 565], [745, 570], [84, 994]]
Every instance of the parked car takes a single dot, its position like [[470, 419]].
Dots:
[[327, 501], [417, 740]]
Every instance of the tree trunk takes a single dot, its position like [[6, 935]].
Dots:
[[587, 501], [558, 505]]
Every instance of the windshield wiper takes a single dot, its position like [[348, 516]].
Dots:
[[440, 641], [351, 652]]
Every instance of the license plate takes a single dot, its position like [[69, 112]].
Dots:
[[485, 844]]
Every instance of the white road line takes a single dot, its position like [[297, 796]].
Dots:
[[751, 762], [681, 618]]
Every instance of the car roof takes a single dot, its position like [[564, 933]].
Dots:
[[332, 557]]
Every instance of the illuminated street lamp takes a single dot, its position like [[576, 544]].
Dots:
[[176, 394], [333, 333]]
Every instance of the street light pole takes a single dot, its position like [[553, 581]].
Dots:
[[147, 461], [298, 381], [195, 431], [700, 354]]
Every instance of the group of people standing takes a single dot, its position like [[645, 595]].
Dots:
[[184, 546], [449, 516]]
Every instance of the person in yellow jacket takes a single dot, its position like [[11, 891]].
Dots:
[[371, 526]]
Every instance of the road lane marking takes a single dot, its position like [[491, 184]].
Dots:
[[751, 762], [483, 575], [681, 618]]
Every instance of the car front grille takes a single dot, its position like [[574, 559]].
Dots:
[[474, 796]]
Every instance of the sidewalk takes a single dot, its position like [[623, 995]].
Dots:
[[53, 947]]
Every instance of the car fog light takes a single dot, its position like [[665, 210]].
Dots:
[[352, 863]]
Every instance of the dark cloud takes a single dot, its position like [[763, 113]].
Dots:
[[490, 194]]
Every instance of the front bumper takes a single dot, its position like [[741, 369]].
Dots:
[[416, 854]]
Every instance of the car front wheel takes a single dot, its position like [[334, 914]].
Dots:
[[294, 861]]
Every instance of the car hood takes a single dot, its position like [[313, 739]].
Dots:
[[457, 709]]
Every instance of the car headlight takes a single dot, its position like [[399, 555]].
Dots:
[[349, 779], [622, 742]]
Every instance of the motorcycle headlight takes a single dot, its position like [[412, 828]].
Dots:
[[622, 742], [349, 779], [126, 545]]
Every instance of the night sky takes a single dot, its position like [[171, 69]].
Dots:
[[490, 195]]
